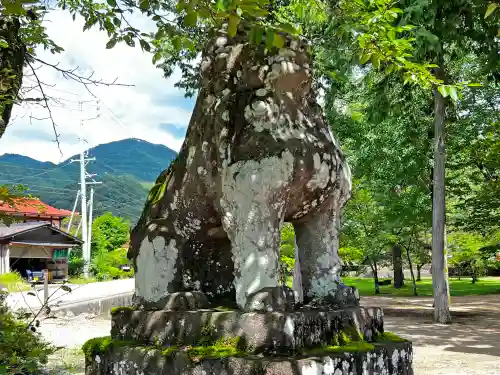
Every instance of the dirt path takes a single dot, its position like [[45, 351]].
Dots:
[[465, 305], [470, 346]]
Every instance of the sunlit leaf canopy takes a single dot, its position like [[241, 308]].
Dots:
[[184, 26]]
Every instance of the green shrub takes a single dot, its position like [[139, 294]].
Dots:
[[22, 349], [13, 281], [105, 265], [75, 262], [109, 232]]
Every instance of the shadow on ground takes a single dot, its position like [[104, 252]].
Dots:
[[474, 335]]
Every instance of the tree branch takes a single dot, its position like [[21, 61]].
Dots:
[[86, 81], [44, 99]]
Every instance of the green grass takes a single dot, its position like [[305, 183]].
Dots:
[[79, 280], [464, 287], [14, 282]]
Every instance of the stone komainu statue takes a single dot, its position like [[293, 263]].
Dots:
[[257, 153]]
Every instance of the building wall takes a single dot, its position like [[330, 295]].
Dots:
[[43, 235], [54, 221], [38, 252], [4, 259]]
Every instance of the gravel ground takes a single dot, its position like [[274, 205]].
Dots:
[[471, 346]]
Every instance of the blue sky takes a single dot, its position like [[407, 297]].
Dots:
[[153, 109]]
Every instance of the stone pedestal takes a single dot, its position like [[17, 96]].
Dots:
[[268, 333], [387, 359], [190, 338]]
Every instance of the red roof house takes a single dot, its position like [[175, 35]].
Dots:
[[33, 209], [35, 240]]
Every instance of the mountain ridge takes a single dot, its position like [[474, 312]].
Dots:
[[126, 168]]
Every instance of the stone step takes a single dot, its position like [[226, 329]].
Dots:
[[272, 332], [387, 358]]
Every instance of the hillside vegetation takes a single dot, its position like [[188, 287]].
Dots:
[[127, 169]]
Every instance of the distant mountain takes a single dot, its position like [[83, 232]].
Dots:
[[126, 168]]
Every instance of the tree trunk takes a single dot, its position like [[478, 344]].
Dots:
[[474, 275], [397, 262], [439, 258], [419, 273], [408, 257], [257, 153], [375, 277], [11, 68]]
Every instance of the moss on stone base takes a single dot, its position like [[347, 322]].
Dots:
[[389, 337], [221, 348], [119, 309], [230, 347], [359, 346], [100, 345]]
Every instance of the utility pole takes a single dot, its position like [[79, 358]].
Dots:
[[73, 212], [91, 210], [83, 192]]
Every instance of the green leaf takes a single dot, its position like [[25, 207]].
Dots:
[[375, 61], [181, 5], [270, 39], [117, 22], [144, 4], [111, 3], [66, 288], [191, 18], [111, 43], [257, 35], [453, 93], [443, 90], [13, 8], [130, 42], [278, 41], [145, 45], [156, 57], [220, 5], [3, 43], [232, 27], [391, 34], [365, 58], [176, 43], [288, 28], [491, 8], [160, 191]]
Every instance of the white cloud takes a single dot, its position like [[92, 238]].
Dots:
[[124, 112]]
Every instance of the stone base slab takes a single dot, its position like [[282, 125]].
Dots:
[[387, 359], [272, 332]]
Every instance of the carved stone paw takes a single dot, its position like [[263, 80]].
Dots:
[[271, 299]]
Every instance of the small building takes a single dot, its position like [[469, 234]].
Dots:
[[27, 210], [35, 240]]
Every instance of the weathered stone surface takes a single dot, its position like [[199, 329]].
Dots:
[[386, 359], [260, 332], [257, 153], [271, 299], [180, 301]]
